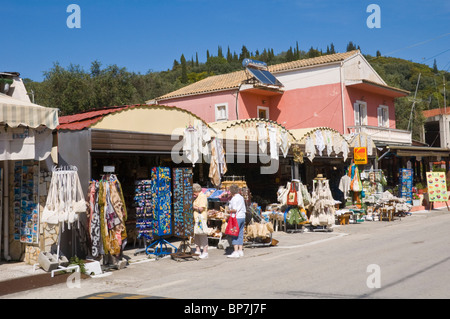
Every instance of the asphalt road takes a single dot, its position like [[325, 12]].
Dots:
[[407, 258]]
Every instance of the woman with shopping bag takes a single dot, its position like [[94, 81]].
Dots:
[[236, 221]]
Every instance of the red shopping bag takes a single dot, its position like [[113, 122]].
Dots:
[[232, 226], [292, 199]]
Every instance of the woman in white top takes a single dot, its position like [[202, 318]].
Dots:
[[237, 206]]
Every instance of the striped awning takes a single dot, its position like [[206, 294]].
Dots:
[[14, 113]]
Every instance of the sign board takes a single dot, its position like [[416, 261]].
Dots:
[[437, 187], [360, 155]]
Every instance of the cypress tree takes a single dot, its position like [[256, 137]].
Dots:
[[184, 77]]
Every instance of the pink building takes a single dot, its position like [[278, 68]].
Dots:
[[341, 91]]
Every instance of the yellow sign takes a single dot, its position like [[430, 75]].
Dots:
[[360, 155]]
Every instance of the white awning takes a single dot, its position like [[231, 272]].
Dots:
[[14, 113]]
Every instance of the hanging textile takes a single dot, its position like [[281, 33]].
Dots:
[[285, 143], [273, 138], [94, 221], [345, 149], [320, 142], [310, 149], [204, 137], [329, 142], [107, 216], [344, 185], [191, 144], [337, 143], [161, 201], [65, 198], [183, 202], [262, 137], [218, 166]]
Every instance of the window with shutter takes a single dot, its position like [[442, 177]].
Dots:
[[383, 116], [360, 110]]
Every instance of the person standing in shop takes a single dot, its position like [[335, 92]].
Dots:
[[200, 206], [237, 206]]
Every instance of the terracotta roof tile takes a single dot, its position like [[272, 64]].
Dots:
[[434, 112], [234, 79]]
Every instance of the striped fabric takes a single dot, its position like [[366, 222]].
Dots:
[[14, 113]]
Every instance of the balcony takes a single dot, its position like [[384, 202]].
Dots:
[[383, 134]]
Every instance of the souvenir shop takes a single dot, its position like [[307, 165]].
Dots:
[[27, 155], [140, 170]]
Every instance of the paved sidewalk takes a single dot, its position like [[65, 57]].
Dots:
[[13, 270]]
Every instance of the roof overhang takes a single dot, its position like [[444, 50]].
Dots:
[[422, 151], [261, 89], [378, 88]]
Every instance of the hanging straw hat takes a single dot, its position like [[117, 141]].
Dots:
[[320, 177]]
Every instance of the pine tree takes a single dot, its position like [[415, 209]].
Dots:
[[219, 52], [196, 58]]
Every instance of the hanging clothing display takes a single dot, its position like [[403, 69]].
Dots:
[[323, 211], [161, 201], [337, 143], [310, 149], [344, 185], [191, 146], [65, 198], [107, 216], [273, 138], [262, 137], [94, 221], [329, 142], [183, 202], [345, 149], [285, 143], [217, 166], [204, 138], [320, 142]]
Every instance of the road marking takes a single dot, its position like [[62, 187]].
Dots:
[[313, 242], [163, 285]]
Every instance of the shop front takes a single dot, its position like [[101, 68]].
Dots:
[[27, 155], [126, 146]]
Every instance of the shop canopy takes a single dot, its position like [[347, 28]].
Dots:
[[250, 136], [15, 113], [322, 142], [25, 129], [418, 151]]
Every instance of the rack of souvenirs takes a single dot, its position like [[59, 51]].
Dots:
[[258, 232], [107, 215]]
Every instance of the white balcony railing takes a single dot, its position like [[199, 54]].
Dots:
[[383, 134]]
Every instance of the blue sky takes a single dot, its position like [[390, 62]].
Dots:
[[144, 35]]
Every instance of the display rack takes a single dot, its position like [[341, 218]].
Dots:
[[183, 212]]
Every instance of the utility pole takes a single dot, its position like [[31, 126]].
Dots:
[[414, 103]]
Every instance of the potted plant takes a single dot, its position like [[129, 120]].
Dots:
[[416, 200], [420, 188]]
